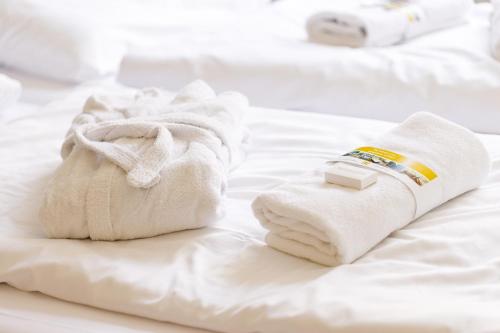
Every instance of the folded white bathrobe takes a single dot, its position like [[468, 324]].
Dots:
[[332, 225], [146, 167], [10, 91], [495, 29], [382, 23]]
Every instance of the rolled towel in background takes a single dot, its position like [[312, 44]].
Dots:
[[332, 225], [145, 167], [383, 23], [10, 91]]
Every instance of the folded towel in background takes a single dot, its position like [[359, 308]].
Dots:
[[332, 225], [383, 23], [495, 29], [10, 91], [141, 168]]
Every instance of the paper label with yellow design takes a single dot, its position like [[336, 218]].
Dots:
[[422, 181], [416, 171]]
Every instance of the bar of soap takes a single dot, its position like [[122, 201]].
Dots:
[[350, 176]]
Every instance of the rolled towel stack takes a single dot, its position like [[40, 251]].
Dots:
[[10, 91], [332, 225], [495, 30], [384, 22], [140, 168]]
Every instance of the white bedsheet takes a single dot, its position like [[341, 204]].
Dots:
[[439, 274], [265, 55], [23, 312]]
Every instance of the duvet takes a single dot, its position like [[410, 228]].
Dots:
[[439, 274]]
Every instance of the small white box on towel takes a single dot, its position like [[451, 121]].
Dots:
[[350, 176]]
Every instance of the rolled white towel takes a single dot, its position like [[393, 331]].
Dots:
[[495, 29], [143, 168], [383, 23], [10, 91], [332, 225]]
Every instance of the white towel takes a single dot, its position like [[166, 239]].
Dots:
[[495, 29], [143, 168], [333, 225], [382, 23], [10, 91]]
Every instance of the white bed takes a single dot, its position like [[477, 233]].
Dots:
[[438, 274], [261, 50], [450, 72]]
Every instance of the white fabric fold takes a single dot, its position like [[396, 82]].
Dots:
[[145, 167], [495, 29], [332, 225], [10, 91], [142, 171], [385, 22]]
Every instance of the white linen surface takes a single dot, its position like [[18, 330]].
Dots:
[[10, 91], [439, 274], [22, 312], [449, 72], [36, 90]]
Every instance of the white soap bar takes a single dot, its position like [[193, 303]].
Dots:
[[351, 176]]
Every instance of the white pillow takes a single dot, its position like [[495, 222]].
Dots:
[[56, 44], [10, 91]]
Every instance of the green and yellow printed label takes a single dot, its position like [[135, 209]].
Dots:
[[416, 171]]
